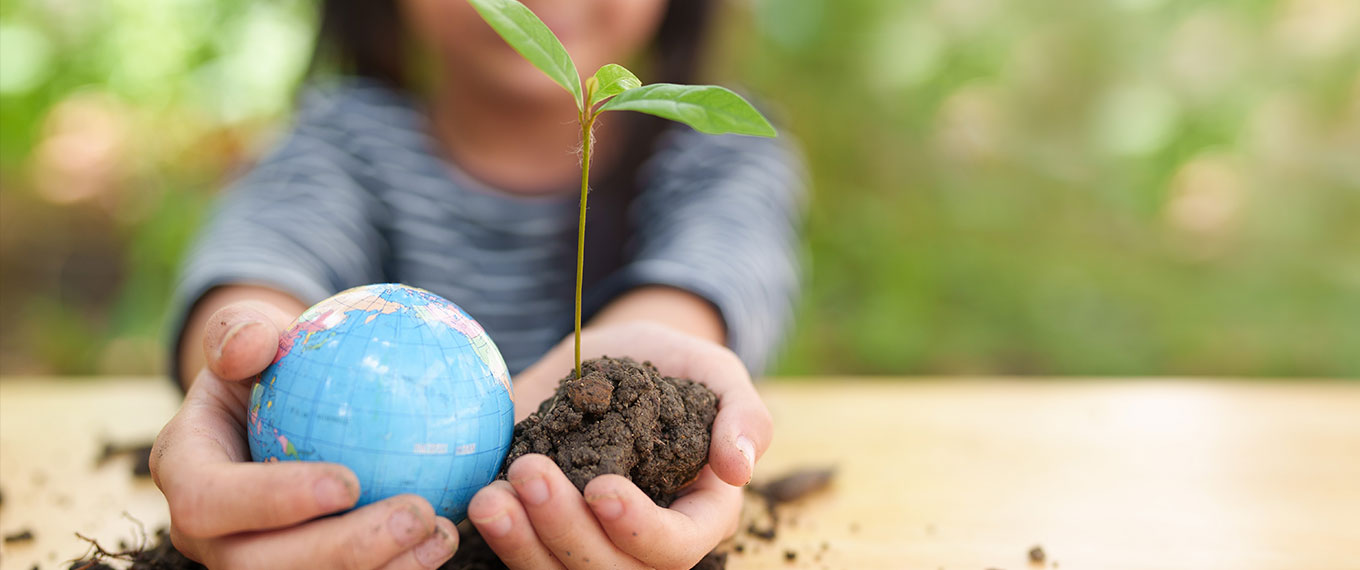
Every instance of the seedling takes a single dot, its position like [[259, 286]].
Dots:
[[707, 108]]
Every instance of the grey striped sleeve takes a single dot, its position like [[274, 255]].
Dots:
[[300, 221], [356, 194], [720, 217]]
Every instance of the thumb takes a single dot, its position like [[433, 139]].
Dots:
[[743, 427], [241, 339], [741, 434]]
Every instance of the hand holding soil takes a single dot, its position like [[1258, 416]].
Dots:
[[623, 418], [742, 428], [540, 515]]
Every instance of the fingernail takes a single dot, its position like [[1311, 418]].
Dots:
[[533, 489], [606, 507], [232, 332], [748, 450], [404, 525], [436, 549], [494, 527], [332, 494]]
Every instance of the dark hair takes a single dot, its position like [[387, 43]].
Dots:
[[368, 38]]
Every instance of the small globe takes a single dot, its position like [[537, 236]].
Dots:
[[394, 382]]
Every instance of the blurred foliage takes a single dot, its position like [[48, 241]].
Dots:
[[1060, 187], [1039, 187], [118, 121]]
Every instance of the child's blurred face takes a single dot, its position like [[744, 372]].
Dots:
[[595, 32]]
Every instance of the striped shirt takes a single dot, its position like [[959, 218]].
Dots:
[[357, 193]]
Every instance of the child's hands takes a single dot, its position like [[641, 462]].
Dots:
[[230, 513], [539, 520]]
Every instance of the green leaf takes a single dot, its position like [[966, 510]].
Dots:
[[520, 28], [708, 108], [611, 80]]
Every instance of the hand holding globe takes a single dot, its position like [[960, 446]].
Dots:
[[229, 512], [394, 382]]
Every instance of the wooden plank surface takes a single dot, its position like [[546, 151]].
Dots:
[[51, 433], [1105, 474]]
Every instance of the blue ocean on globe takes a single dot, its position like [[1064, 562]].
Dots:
[[394, 382]]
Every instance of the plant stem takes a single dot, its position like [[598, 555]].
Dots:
[[587, 123]]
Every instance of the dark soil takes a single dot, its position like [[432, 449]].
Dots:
[[140, 453], [712, 561], [624, 418], [620, 417], [24, 535], [160, 555], [787, 489], [473, 552], [1037, 555], [795, 485]]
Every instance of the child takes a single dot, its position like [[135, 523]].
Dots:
[[456, 176]]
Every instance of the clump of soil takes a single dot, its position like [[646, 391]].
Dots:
[[140, 453], [625, 418], [1037, 555], [795, 485], [619, 417], [25, 535], [473, 552], [786, 489], [712, 561], [158, 555]]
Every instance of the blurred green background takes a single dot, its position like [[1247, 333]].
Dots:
[[1040, 187]]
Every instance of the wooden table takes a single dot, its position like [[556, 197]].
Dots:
[[954, 474]]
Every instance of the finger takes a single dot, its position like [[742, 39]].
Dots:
[[659, 537], [560, 516], [202, 466], [240, 340], [215, 500], [741, 433], [503, 524], [435, 550], [365, 538], [189, 547], [743, 428]]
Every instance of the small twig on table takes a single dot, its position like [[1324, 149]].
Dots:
[[142, 539], [96, 553]]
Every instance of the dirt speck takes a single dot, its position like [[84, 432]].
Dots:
[[140, 453], [1037, 555], [797, 484], [24, 535]]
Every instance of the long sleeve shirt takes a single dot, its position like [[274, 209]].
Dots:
[[358, 193]]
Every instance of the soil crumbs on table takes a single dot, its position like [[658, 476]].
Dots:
[[1037, 554], [24, 535], [473, 552], [140, 453], [160, 555]]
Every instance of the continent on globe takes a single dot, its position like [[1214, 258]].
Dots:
[[394, 382]]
